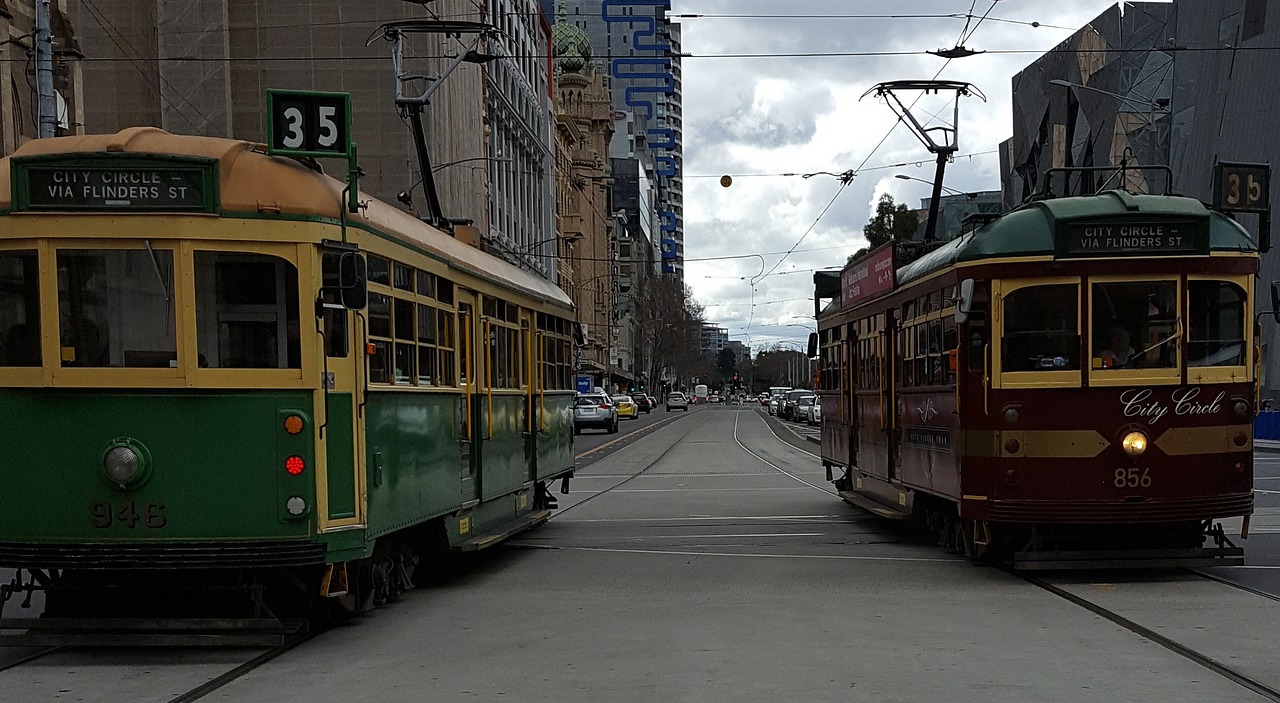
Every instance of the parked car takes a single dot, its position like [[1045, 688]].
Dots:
[[764, 399], [677, 401], [815, 413], [714, 398], [800, 413], [594, 411], [626, 406], [644, 402], [775, 404], [653, 402], [787, 410]]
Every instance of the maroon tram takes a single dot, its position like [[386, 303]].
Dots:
[[1068, 384]]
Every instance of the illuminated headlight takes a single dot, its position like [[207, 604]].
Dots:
[[1134, 444], [296, 506], [121, 464]]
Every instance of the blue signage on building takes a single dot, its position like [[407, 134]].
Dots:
[[584, 384], [655, 74]]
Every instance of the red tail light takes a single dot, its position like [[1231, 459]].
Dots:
[[295, 465], [604, 407]]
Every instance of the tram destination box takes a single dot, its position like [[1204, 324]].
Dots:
[[109, 183], [1137, 238]]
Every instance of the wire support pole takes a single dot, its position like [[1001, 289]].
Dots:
[[47, 103]]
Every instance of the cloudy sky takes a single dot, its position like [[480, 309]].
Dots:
[[751, 116]]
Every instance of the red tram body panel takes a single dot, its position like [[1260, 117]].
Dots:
[[1072, 383]]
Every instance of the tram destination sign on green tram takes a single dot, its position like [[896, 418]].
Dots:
[[115, 183], [1130, 237]]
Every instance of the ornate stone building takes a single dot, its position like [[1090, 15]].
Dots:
[[583, 129]]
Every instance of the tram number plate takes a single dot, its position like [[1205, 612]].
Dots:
[[1132, 477], [129, 514]]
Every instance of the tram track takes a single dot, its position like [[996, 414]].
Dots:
[[238, 672], [1244, 680], [30, 657], [702, 418], [737, 414]]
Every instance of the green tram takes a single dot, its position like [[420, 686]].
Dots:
[[194, 395]]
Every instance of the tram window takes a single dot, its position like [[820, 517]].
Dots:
[[247, 311], [426, 284], [334, 319], [404, 318], [1041, 329], [1135, 325], [379, 315], [1217, 324], [379, 363], [19, 309], [444, 291], [403, 277], [379, 270], [115, 308]]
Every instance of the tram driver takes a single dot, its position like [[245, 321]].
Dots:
[[1119, 352]]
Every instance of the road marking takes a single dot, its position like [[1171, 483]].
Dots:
[[669, 476], [629, 435], [704, 490], [707, 517], [1259, 490], [695, 535], [1260, 568], [759, 555]]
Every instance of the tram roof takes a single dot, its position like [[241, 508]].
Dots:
[[253, 183], [1031, 229]]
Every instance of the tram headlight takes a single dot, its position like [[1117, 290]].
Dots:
[[121, 464], [1134, 444], [296, 506]]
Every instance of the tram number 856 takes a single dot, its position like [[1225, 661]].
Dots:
[[1132, 478], [150, 515]]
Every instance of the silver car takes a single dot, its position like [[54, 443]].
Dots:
[[593, 410]]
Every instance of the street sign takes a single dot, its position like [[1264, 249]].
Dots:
[[584, 384], [308, 123]]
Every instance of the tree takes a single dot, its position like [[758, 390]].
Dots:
[[891, 221], [668, 322], [726, 361]]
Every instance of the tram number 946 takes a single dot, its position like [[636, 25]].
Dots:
[[1132, 477], [128, 514]]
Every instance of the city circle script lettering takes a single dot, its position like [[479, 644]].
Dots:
[[142, 188], [1130, 238], [868, 277], [1141, 404]]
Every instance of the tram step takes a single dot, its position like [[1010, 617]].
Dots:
[[1129, 559], [147, 632], [504, 531], [870, 504]]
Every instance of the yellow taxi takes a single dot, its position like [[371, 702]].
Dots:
[[626, 406]]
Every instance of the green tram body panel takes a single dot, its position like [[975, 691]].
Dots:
[[216, 466], [555, 439], [414, 460]]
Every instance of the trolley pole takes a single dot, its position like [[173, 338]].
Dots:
[[46, 102]]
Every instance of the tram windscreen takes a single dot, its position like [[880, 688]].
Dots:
[[1135, 325], [246, 311], [1041, 329], [1216, 323], [19, 309], [115, 308]]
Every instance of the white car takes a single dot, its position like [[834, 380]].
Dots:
[[677, 401], [814, 416]]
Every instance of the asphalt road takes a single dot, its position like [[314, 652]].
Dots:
[[710, 562]]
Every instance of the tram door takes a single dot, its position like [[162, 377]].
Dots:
[[469, 351], [874, 416], [534, 385], [889, 382]]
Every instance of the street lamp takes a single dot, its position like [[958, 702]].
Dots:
[[493, 159], [953, 191]]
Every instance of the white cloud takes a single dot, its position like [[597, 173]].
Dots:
[[775, 115]]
